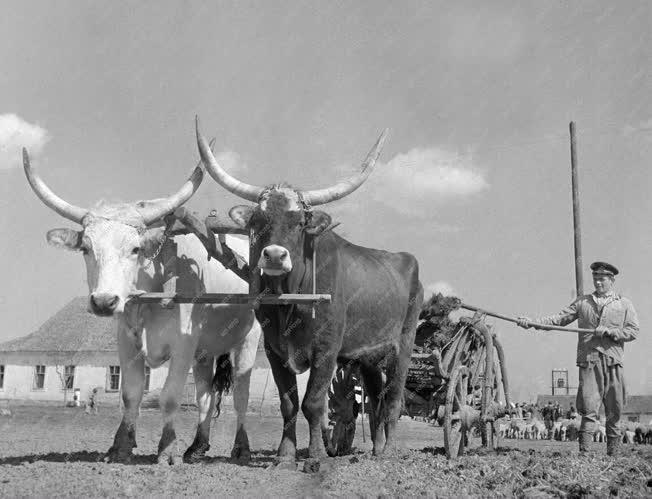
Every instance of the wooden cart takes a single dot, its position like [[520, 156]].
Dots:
[[463, 386]]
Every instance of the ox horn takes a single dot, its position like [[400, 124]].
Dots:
[[231, 184], [346, 187], [162, 207], [49, 198]]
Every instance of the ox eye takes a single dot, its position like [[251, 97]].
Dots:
[[84, 250], [135, 251]]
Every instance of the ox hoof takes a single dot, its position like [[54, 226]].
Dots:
[[168, 458], [313, 465], [286, 464], [114, 455], [242, 454], [195, 454]]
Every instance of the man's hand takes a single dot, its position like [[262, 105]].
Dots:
[[524, 322], [605, 332], [601, 331]]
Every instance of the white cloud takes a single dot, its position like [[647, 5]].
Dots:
[[439, 287], [412, 182], [431, 171], [16, 133]]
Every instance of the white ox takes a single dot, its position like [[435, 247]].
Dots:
[[121, 246]]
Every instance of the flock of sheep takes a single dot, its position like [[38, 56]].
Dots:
[[568, 430]]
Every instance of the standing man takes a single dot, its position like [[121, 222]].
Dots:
[[599, 354], [548, 413], [557, 411]]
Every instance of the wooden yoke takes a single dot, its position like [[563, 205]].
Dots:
[[186, 222], [182, 221]]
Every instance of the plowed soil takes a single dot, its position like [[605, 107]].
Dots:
[[55, 451]]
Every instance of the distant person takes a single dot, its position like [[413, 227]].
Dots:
[[557, 411], [600, 353], [92, 402], [571, 413], [519, 411], [548, 413]]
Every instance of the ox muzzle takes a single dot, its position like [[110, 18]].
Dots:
[[103, 304], [275, 260]]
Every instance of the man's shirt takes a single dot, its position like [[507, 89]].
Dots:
[[613, 311]]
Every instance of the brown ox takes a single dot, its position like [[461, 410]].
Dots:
[[376, 299]]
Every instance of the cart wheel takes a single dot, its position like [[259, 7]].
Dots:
[[490, 438], [455, 437]]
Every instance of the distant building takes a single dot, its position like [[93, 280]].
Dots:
[[75, 349], [638, 409]]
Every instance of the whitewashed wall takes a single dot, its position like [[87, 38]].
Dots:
[[18, 385], [19, 382]]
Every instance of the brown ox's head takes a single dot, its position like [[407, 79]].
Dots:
[[282, 222], [115, 239]]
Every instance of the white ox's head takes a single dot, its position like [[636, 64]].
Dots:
[[115, 239]]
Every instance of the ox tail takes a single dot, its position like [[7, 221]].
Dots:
[[222, 380]]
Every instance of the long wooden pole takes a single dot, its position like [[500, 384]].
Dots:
[[533, 324], [579, 284]]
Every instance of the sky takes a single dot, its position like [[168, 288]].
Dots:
[[474, 179]]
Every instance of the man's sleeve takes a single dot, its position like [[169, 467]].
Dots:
[[563, 318], [629, 331]]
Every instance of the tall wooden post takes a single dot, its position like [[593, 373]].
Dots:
[[579, 283]]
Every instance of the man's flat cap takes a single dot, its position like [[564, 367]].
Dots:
[[603, 268]]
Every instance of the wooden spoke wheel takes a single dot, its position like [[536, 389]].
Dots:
[[473, 394], [455, 412]]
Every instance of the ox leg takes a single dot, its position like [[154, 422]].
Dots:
[[180, 362], [396, 376], [132, 365], [373, 385], [314, 408], [398, 366], [244, 357], [286, 382], [203, 373]]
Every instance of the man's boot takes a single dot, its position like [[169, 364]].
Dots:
[[585, 438], [613, 446]]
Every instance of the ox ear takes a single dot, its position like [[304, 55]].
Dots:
[[318, 223], [241, 214], [151, 241], [65, 238]]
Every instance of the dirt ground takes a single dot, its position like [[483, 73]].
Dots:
[[55, 451]]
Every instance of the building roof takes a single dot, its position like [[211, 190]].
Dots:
[[638, 404], [71, 329]]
